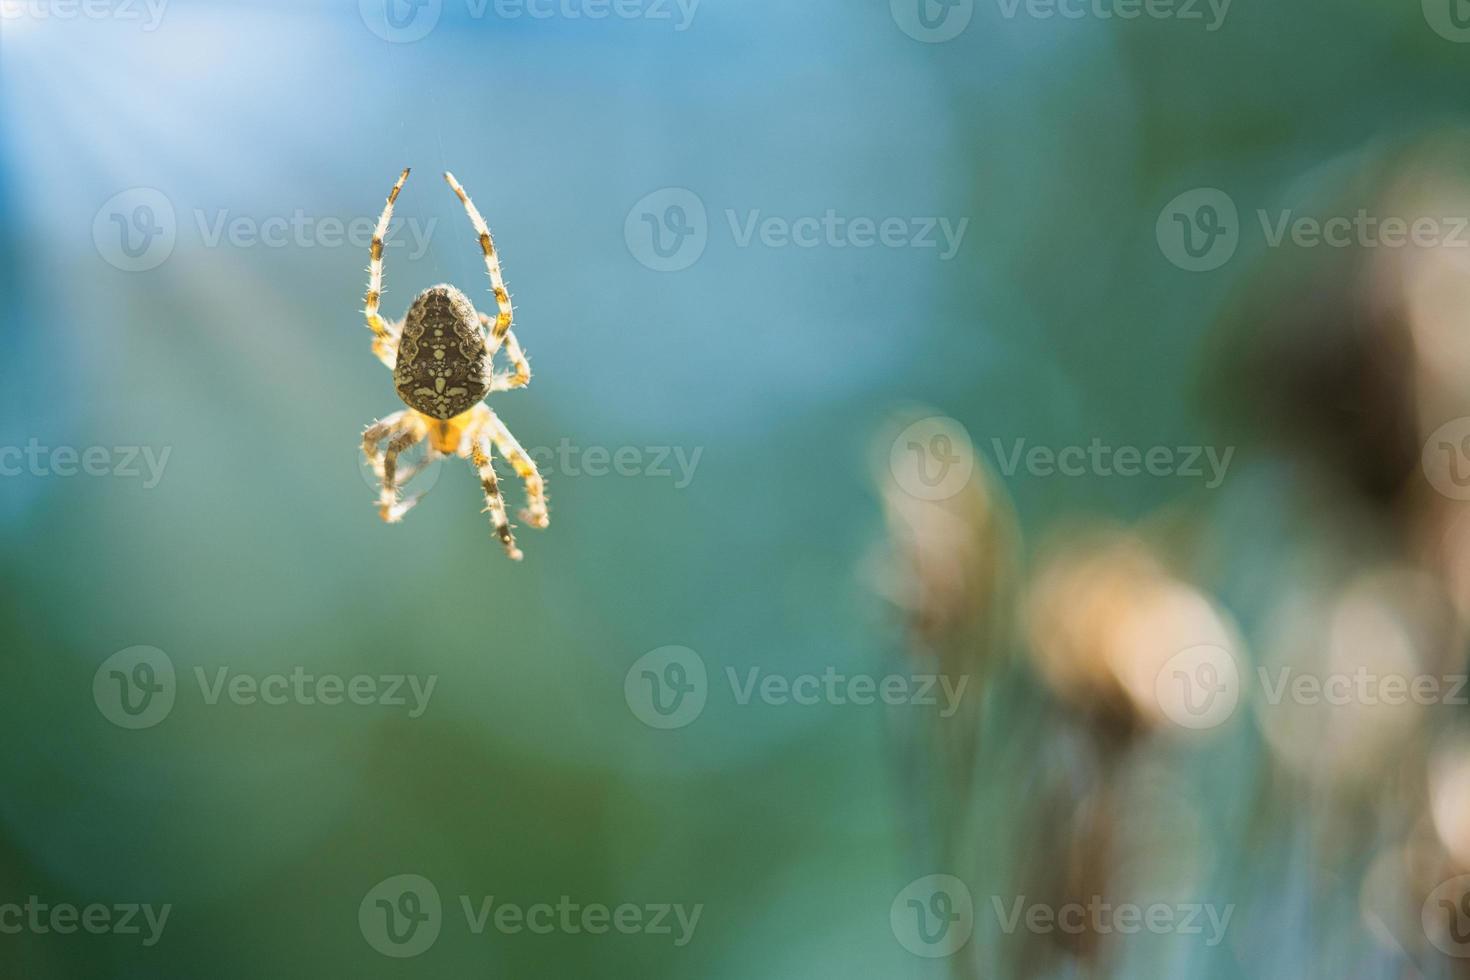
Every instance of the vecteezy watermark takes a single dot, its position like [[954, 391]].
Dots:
[[936, 21], [137, 230], [836, 688], [1450, 19], [1209, 12], [668, 230], [400, 21], [1105, 918], [402, 916], [1200, 230], [932, 21], [933, 916], [1364, 230], [669, 687], [1446, 458], [677, 13], [1363, 687], [97, 918], [406, 21], [932, 459], [300, 687], [1097, 459], [137, 687], [566, 459], [673, 919], [302, 230], [147, 13], [1446, 917], [123, 462], [1198, 687]]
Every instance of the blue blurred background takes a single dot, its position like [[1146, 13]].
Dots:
[[183, 192]]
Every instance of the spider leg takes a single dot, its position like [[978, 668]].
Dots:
[[402, 430], [385, 348], [373, 436], [407, 473], [385, 335], [492, 265], [501, 381], [535, 513], [482, 460], [390, 508]]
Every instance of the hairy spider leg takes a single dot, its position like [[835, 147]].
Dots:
[[521, 376], [535, 513], [492, 265], [385, 336], [402, 430], [481, 460]]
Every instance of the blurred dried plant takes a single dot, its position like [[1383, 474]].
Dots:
[[1104, 617], [1341, 368], [948, 569]]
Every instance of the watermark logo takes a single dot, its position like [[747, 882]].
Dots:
[[940, 691], [833, 230], [1105, 918], [64, 918], [401, 916], [1446, 917], [1362, 687], [680, 13], [149, 13], [1207, 463], [667, 688], [412, 476], [1446, 458], [1199, 230], [1450, 19], [932, 21], [1211, 13], [123, 462], [400, 21], [302, 230], [405, 21], [1199, 687], [410, 691], [138, 229], [572, 917], [667, 231], [135, 688], [1363, 230], [933, 916], [135, 230], [932, 459]]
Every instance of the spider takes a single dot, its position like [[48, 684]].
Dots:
[[442, 358]]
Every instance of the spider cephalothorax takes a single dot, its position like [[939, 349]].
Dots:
[[442, 356]]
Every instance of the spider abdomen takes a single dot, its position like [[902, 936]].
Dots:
[[441, 368]]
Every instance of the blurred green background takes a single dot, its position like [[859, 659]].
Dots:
[[778, 370]]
